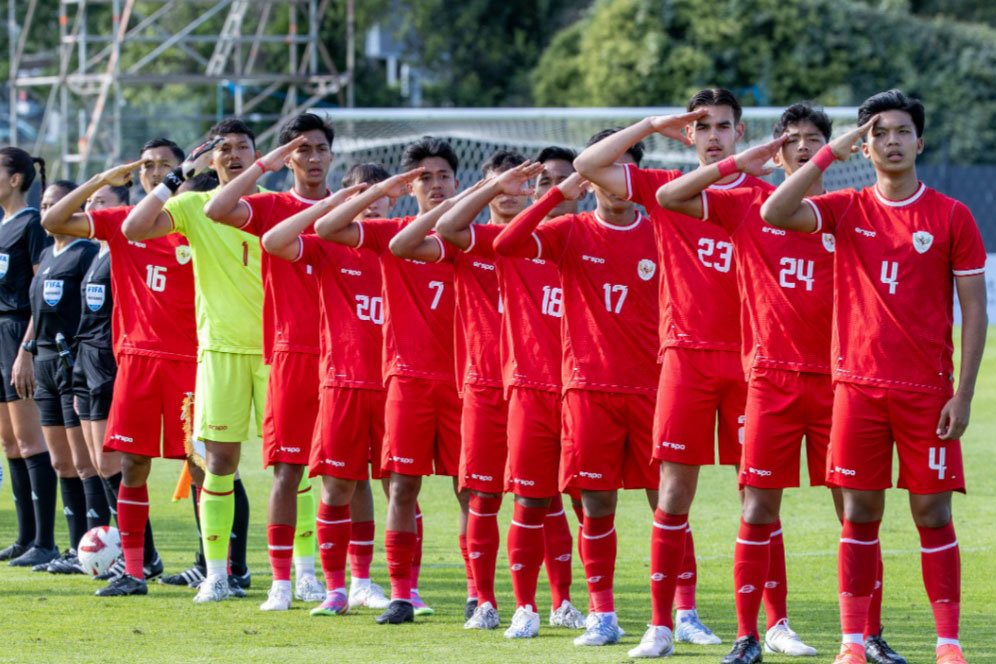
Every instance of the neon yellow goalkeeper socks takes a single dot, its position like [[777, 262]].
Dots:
[[217, 514], [304, 534]]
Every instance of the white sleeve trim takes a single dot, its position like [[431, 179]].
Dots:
[[705, 205], [969, 273], [539, 245], [249, 218], [300, 249], [89, 220], [442, 248], [819, 216], [359, 242], [629, 181], [473, 237]]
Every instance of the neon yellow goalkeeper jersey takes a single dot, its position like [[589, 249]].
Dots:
[[228, 289]]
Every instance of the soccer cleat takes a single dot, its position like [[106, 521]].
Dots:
[[154, 568], [307, 589], [850, 653], [657, 641], [420, 607], [566, 616], [117, 569], [67, 563], [469, 608], [601, 629], [191, 577], [745, 650], [880, 652], [485, 617], [278, 599], [525, 624], [35, 556], [213, 589], [782, 639], [123, 585], [368, 595], [243, 580], [336, 604], [949, 653], [12, 551], [691, 630], [41, 567], [235, 587], [397, 612]]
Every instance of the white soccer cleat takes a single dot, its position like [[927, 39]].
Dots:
[[691, 630], [308, 589], [485, 617], [278, 598], [656, 642], [567, 616], [213, 589], [782, 639], [525, 624], [601, 629], [368, 595]]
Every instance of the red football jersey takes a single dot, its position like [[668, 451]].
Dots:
[[609, 277], [531, 313], [418, 306], [700, 305], [352, 312], [786, 283], [290, 290], [153, 285], [896, 261]]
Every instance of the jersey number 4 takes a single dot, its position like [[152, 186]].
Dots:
[[155, 277], [890, 275]]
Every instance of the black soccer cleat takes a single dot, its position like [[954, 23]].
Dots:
[[745, 650], [190, 577], [67, 563], [243, 580], [469, 608], [154, 568], [35, 556], [12, 551], [235, 588], [878, 651], [397, 612], [117, 569], [124, 585]]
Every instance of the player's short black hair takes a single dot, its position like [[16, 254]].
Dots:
[[552, 152], [302, 123], [635, 151], [716, 97], [206, 181], [501, 161], [426, 147], [803, 111], [369, 173], [65, 185], [163, 143], [893, 100], [233, 126], [18, 162], [122, 193]]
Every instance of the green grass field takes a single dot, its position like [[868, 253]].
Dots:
[[55, 619]]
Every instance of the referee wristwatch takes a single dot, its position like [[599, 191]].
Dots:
[[30, 346]]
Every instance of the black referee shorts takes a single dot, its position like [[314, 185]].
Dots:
[[12, 329], [54, 393], [93, 381]]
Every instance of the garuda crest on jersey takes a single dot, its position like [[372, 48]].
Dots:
[[829, 242], [922, 241]]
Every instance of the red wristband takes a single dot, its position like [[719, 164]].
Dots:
[[824, 157], [262, 166], [727, 167]]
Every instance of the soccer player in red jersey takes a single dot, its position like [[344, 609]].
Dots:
[[608, 271], [901, 250], [422, 420], [701, 378], [290, 346]]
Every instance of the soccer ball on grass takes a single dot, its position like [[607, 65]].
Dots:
[[98, 549]]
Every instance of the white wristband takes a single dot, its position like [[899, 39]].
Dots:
[[162, 192]]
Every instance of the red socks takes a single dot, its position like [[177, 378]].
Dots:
[[398, 549], [579, 513], [667, 550], [334, 530], [482, 544], [941, 564], [857, 564], [598, 547], [133, 515], [468, 572], [874, 623], [750, 568], [280, 538], [776, 586], [417, 553], [361, 547], [684, 595], [525, 552], [557, 555]]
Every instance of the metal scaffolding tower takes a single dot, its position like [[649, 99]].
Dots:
[[258, 49]]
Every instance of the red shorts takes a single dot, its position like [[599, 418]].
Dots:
[[782, 407], [866, 421], [695, 386], [349, 434], [291, 409], [147, 405], [607, 443], [422, 423], [484, 439], [533, 443]]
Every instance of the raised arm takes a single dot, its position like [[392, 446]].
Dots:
[[517, 238], [599, 162], [339, 224], [65, 218], [974, 321], [413, 240], [282, 239], [226, 206]]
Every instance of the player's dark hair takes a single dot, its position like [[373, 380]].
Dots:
[[369, 173], [65, 185], [122, 193], [206, 181], [893, 100], [426, 147], [803, 111], [18, 162], [164, 143], [233, 126], [501, 161], [552, 152], [303, 123], [716, 97], [635, 151]]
